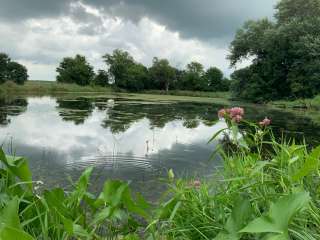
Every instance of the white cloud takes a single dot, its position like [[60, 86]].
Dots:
[[42, 43]]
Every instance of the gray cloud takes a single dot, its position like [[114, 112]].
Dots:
[[40, 32], [16, 10], [205, 19]]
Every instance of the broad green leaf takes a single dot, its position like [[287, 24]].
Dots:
[[274, 236], [18, 166], [81, 186], [9, 215], [131, 237], [279, 216], [112, 193], [55, 200], [9, 233], [132, 206], [72, 228], [311, 164], [102, 215], [90, 199], [237, 220], [10, 227], [141, 202]]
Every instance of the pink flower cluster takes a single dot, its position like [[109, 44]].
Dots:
[[265, 122], [196, 184], [235, 113]]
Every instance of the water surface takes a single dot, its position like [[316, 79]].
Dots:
[[133, 140]]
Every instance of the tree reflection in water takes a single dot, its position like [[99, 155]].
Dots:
[[11, 107]]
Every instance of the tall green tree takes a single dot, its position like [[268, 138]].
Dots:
[[119, 63], [101, 78], [12, 71], [194, 77], [285, 53], [162, 74], [75, 70], [4, 60], [137, 78], [17, 73], [215, 80]]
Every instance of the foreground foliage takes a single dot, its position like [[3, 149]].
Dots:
[[56, 214], [265, 189]]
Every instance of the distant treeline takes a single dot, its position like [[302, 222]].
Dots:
[[284, 54], [126, 73], [12, 71]]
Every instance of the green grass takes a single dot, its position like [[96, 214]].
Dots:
[[54, 88], [48, 87], [225, 95], [173, 98], [308, 103]]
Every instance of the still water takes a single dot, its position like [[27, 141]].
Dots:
[[133, 140]]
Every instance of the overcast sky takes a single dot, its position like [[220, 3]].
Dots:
[[39, 33]]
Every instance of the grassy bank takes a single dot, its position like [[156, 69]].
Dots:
[[264, 189], [225, 95], [48, 87], [308, 103]]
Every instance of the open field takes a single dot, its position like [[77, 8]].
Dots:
[[225, 95], [53, 88], [48, 87]]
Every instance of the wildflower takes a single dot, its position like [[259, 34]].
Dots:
[[196, 183], [265, 122], [237, 118], [236, 111], [221, 113]]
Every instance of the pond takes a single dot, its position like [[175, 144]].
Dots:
[[134, 140]]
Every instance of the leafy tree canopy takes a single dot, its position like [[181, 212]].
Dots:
[[75, 70], [215, 80], [12, 71], [193, 77], [119, 63], [162, 74], [125, 73], [285, 53], [101, 78], [17, 72]]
